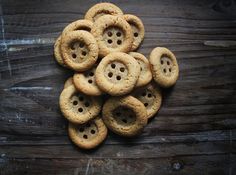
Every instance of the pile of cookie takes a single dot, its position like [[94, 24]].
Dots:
[[113, 86]]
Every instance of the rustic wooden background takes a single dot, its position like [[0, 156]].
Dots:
[[194, 132]]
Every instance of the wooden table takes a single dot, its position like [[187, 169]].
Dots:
[[194, 132]]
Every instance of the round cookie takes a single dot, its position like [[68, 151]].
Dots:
[[117, 73], [151, 97], [137, 28], [88, 135], [81, 24], [145, 72], [79, 50], [101, 9], [125, 116], [68, 82], [113, 34], [85, 82], [57, 52], [164, 67], [77, 107]]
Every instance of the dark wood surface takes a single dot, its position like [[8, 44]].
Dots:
[[194, 132]]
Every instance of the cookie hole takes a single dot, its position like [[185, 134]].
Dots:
[[119, 42], [144, 94], [170, 69], [81, 45], [118, 113], [87, 104], [109, 34], [75, 102], [85, 136], [162, 62], [118, 34], [90, 81], [110, 74], [81, 130], [109, 41], [164, 70], [146, 104], [135, 34], [81, 98], [168, 63], [92, 131], [91, 74], [124, 120], [149, 95], [84, 53], [122, 69], [80, 109], [88, 125], [113, 65], [141, 68], [74, 55], [118, 77]]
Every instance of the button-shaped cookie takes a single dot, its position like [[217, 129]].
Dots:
[[88, 135], [151, 97], [57, 52], [125, 116], [101, 9], [85, 82], [68, 82], [117, 73], [78, 107], [164, 67], [145, 72], [113, 34], [81, 24], [137, 28], [79, 50]]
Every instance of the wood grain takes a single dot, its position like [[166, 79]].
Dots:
[[193, 133]]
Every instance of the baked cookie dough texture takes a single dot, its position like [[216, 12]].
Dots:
[[114, 86]]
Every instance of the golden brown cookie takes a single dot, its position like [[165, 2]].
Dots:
[[137, 28], [117, 73], [145, 72], [164, 67], [77, 107], [113, 34], [88, 135], [57, 52], [101, 9], [85, 82], [81, 24], [68, 82], [79, 50], [125, 116], [151, 97]]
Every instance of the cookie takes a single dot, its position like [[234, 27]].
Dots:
[[113, 34], [145, 72], [117, 73], [88, 135], [101, 9], [57, 52], [137, 28], [78, 107], [79, 50], [81, 24], [151, 97], [164, 67], [124, 116], [68, 82], [85, 82]]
